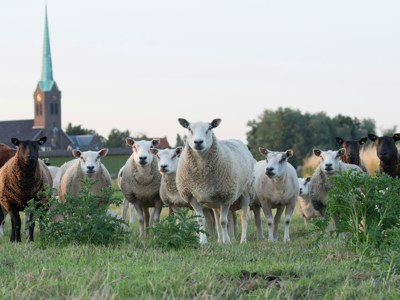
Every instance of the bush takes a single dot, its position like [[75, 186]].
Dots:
[[178, 230], [368, 209], [80, 220]]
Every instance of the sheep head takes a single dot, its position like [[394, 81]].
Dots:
[[200, 135], [28, 151], [90, 161], [276, 161]]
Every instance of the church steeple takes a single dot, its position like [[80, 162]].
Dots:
[[46, 80], [47, 97]]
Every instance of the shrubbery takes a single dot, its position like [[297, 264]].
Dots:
[[178, 230], [368, 210], [80, 220]]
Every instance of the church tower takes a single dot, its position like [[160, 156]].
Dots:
[[47, 97]]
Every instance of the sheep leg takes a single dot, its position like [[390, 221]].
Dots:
[[28, 220], [146, 215], [288, 215], [199, 211], [131, 214], [257, 221], [268, 214], [232, 224], [155, 214], [15, 226], [125, 206], [279, 211], [224, 222], [244, 203], [217, 216], [210, 221], [139, 210]]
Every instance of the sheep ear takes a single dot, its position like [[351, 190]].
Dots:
[[396, 137], [341, 151], [339, 140], [42, 140], [289, 153], [184, 123], [154, 151], [372, 137], [129, 141], [363, 140], [308, 179], [263, 151], [178, 151], [15, 141], [103, 152], [76, 153], [155, 142], [317, 152], [215, 123]]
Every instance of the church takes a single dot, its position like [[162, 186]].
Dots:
[[47, 113]]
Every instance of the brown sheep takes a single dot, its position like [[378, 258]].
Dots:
[[387, 153], [21, 178], [6, 153], [352, 153]]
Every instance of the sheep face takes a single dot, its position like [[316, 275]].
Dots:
[[200, 136], [141, 150], [303, 185], [167, 159], [386, 148], [89, 161], [352, 147], [276, 162], [330, 160], [28, 151]]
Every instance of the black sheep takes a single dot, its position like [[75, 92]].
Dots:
[[21, 178], [387, 153], [352, 154]]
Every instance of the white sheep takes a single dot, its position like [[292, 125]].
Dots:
[[53, 171], [305, 206], [126, 205], [140, 181], [320, 185], [87, 164], [215, 174], [276, 186], [167, 164]]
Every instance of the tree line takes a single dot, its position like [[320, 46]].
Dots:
[[276, 130]]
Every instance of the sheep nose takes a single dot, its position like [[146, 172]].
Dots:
[[269, 172], [198, 144], [301, 190], [142, 160], [90, 168], [163, 168]]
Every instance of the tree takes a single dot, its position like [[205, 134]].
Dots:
[[180, 142], [116, 138], [286, 128], [78, 130]]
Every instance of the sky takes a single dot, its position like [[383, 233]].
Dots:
[[141, 65]]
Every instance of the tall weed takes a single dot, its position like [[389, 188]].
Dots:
[[80, 220]]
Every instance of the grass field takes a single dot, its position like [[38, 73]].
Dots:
[[299, 269]]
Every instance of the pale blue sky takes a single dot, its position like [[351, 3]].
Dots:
[[140, 65]]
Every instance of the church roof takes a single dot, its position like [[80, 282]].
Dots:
[[21, 129], [46, 81]]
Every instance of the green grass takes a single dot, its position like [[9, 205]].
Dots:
[[300, 269]]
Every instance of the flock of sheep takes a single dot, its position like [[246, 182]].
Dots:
[[213, 177]]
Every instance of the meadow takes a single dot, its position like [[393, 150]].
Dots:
[[307, 267]]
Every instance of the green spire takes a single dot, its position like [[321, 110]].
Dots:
[[46, 82]]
